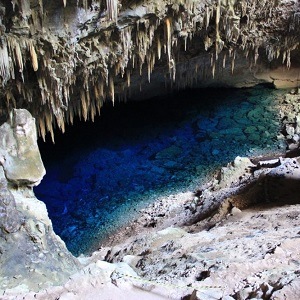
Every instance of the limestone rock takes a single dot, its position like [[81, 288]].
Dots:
[[33, 255], [53, 53], [19, 153], [30, 252], [9, 216]]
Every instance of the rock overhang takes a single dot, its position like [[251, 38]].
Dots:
[[62, 60]]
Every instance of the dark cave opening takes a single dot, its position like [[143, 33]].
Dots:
[[99, 175]]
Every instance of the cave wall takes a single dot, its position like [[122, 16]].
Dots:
[[31, 253], [65, 58]]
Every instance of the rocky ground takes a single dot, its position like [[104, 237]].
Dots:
[[247, 249], [237, 237]]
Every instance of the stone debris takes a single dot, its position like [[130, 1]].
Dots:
[[248, 252]]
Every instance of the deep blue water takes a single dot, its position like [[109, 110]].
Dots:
[[100, 174]]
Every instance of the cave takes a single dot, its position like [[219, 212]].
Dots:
[[101, 173], [149, 149]]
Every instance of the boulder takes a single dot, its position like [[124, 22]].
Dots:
[[19, 153]]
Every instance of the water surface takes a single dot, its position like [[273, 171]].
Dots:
[[100, 174]]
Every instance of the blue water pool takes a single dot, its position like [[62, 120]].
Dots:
[[100, 174]]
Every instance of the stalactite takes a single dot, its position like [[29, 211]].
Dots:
[[112, 9], [84, 106], [85, 4], [61, 124], [42, 128], [71, 114], [233, 62], [152, 61], [92, 111], [283, 57], [158, 47], [10, 101], [228, 23], [151, 33], [169, 38], [256, 55], [207, 43], [5, 71], [149, 68], [96, 91], [288, 59], [112, 89], [133, 61], [224, 60], [88, 101], [128, 78], [218, 13], [99, 104], [16, 53], [49, 124], [126, 41], [33, 55], [277, 53], [207, 17]]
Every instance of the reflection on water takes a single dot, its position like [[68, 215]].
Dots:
[[100, 174]]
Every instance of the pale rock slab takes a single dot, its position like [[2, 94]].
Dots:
[[19, 153]]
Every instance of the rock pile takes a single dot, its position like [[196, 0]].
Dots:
[[241, 241]]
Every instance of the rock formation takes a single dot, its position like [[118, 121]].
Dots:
[[66, 58], [30, 253], [20, 156], [62, 59]]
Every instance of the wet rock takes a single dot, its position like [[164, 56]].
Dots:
[[215, 152], [255, 114], [206, 124], [235, 132], [251, 130], [226, 123], [255, 138], [169, 153]]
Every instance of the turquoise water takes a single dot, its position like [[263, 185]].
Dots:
[[100, 174]]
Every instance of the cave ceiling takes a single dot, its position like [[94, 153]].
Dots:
[[62, 59]]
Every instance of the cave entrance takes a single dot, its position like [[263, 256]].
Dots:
[[99, 175]]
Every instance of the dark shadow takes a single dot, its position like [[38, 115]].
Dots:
[[267, 189]]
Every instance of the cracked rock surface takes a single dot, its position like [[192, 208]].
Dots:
[[31, 255]]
